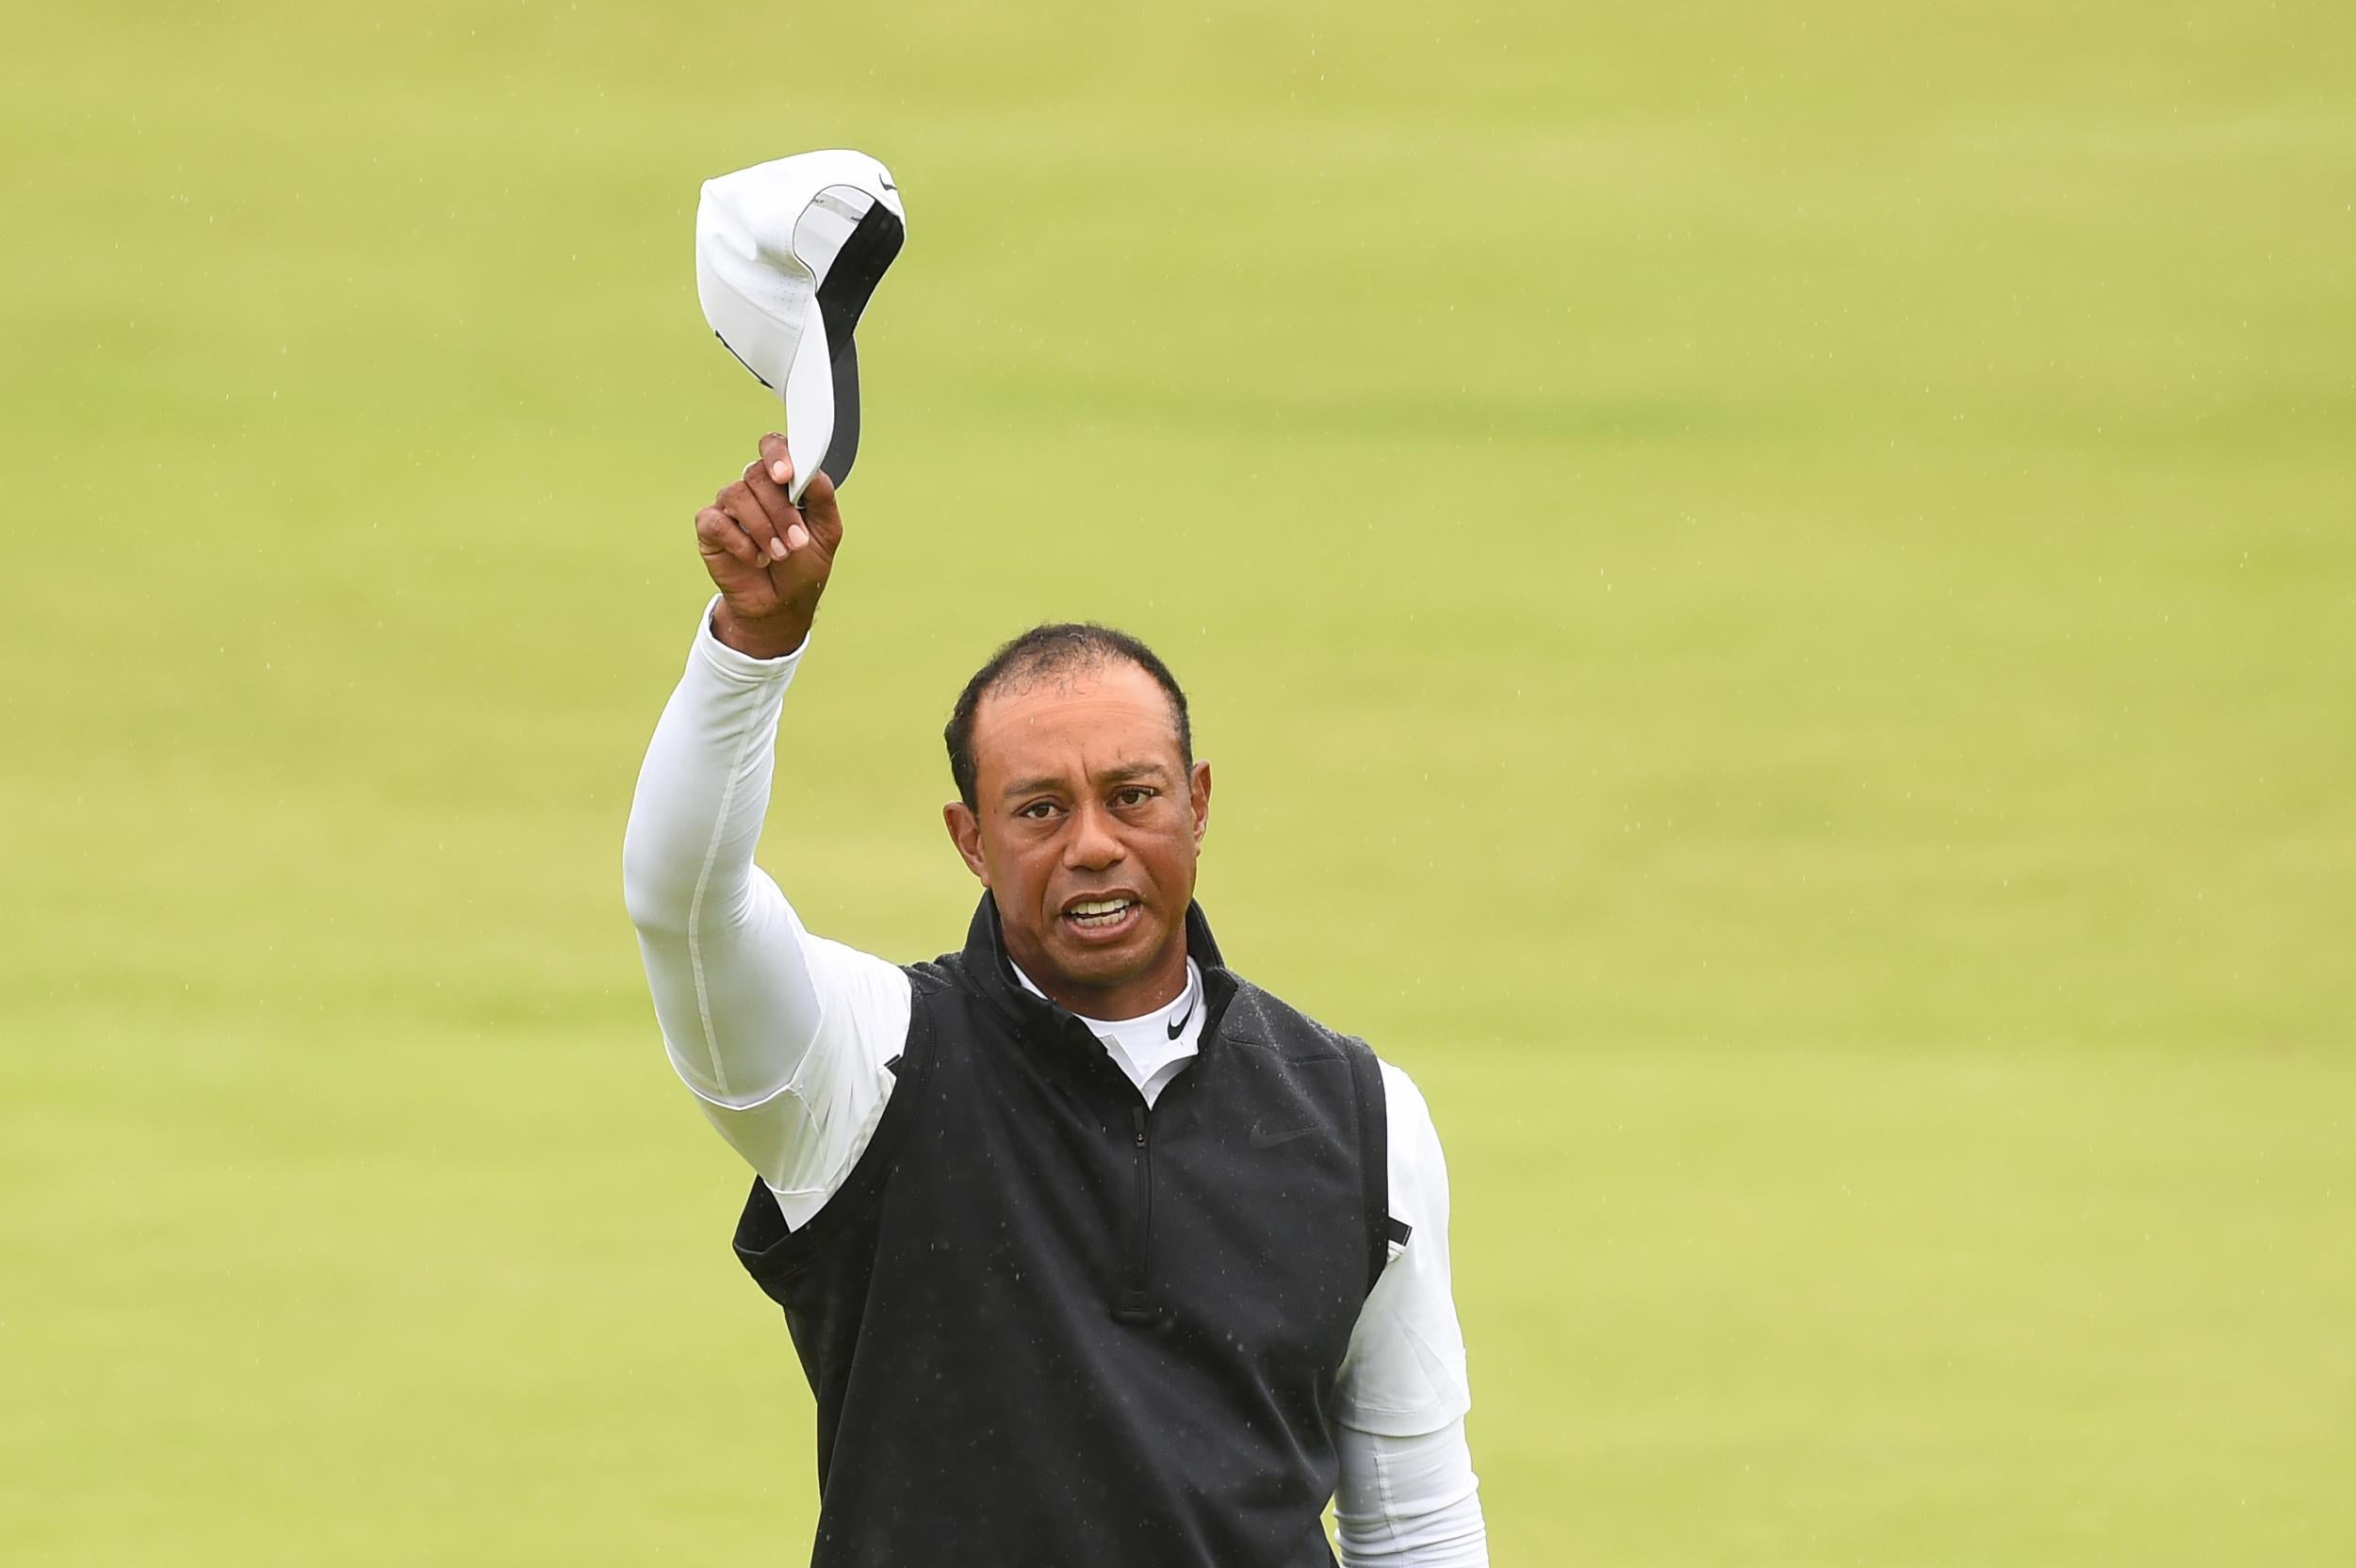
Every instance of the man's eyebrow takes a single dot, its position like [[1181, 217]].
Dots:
[[1040, 785], [1120, 773]]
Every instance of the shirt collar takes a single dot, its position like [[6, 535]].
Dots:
[[988, 966]]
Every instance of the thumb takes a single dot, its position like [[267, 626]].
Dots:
[[820, 512]]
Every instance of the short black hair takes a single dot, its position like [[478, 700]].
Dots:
[[1057, 647]]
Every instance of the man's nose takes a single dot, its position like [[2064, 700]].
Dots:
[[1093, 844]]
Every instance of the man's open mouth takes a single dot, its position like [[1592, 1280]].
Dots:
[[1099, 914]]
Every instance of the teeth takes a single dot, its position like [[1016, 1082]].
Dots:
[[1098, 909]]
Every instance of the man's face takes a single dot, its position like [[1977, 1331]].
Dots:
[[1086, 826]]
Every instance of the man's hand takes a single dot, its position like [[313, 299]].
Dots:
[[769, 560]]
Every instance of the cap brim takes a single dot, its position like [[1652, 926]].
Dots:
[[822, 404], [812, 405]]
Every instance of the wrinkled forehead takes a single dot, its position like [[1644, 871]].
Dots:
[[1075, 724]]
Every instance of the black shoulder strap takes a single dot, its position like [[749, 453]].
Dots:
[[1374, 1154]]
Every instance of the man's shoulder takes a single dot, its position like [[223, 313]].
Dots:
[[1259, 1016], [927, 976]]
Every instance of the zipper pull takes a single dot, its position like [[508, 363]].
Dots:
[[1136, 1119]]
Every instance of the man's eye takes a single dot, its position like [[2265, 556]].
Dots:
[[1039, 810], [1135, 794]]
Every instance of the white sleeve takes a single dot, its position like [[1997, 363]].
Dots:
[[1404, 1375], [783, 1036], [1409, 1502], [1407, 1494]]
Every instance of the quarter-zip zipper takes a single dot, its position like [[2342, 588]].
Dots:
[[1134, 1306]]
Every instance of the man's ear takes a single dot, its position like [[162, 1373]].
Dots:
[[965, 831], [1199, 797]]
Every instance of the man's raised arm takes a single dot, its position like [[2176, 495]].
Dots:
[[781, 1035]]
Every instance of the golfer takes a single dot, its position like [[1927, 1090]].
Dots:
[[1096, 1254]]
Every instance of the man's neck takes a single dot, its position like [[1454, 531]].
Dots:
[[1087, 1014], [1137, 997]]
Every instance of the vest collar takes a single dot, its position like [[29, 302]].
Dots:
[[987, 965]]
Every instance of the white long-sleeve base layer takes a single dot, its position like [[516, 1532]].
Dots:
[[783, 1036]]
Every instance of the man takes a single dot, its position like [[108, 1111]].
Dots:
[[1093, 1252]]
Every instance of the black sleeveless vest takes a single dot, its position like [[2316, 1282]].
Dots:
[[1049, 1329]]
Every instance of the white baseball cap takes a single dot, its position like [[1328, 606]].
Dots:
[[786, 253]]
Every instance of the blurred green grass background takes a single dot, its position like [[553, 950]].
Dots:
[[1770, 589]]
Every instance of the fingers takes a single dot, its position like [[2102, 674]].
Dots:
[[820, 511], [777, 505], [776, 460], [739, 501], [752, 520], [776, 468], [717, 533]]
